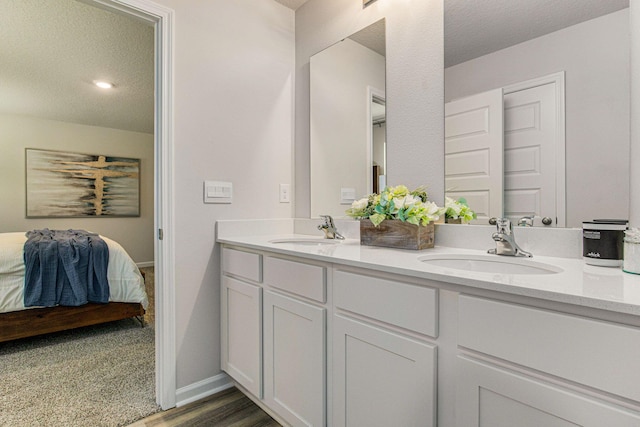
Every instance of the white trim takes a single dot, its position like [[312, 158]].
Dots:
[[201, 389], [163, 20], [145, 264], [371, 92], [558, 80]]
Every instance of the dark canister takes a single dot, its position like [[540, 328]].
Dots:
[[603, 242]]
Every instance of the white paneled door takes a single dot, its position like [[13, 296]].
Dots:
[[534, 151], [474, 152]]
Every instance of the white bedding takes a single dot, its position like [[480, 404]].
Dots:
[[125, 281]]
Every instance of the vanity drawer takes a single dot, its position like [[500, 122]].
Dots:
[[242, 264], [595, 353], [307, 280], [394, 302]]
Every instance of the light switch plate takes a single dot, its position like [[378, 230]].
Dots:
[[347, 195], [218, 192]]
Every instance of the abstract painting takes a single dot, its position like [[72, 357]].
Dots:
[[61, 184]]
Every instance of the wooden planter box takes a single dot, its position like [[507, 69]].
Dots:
[[453, 221], [397, 234]]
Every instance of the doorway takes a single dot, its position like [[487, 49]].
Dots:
[[162, 20]]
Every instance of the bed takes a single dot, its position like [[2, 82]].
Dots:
[[127, 298]]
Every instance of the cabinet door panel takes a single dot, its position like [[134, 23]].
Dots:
[[294, 345], [591, 352], [489, 396], [242, 333], [380, 378]]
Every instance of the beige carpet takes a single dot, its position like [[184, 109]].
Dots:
[[101, 375], [95, 376]]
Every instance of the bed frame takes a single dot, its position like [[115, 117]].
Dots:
[[37, 321]]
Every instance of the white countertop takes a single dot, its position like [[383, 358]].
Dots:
[[603, 288]]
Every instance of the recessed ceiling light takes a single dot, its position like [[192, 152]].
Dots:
[[103, 85]]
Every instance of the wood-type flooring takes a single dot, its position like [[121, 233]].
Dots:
[[229, 408]]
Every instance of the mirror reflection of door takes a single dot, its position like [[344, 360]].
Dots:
[[473, 161], [378, 141], [525, 174]]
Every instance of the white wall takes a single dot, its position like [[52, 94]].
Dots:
[[415, 71], [595, 57], [233, 105], [20, 132], [340, 150]]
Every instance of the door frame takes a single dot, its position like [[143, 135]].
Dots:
[[560, 140], [371, 93], [162, 19]]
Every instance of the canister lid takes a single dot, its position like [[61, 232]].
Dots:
[[632, 235], [605, 224], [612, 221]]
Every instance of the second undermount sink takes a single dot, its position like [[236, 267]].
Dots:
[[490, 264], [308, 241]]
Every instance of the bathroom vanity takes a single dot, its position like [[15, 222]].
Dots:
[[334, 333]]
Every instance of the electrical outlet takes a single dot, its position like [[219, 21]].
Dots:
[[285, 197]]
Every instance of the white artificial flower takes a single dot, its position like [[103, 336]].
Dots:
[[398, 202], [360, 204], [405, 201]]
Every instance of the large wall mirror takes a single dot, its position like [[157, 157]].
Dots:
[[348, 121], [537, 109]]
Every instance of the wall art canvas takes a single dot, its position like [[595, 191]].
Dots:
[[61, 184]]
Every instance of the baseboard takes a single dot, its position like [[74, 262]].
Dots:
[[202, 389], [144, 264]]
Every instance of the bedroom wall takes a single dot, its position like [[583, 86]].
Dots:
[[233, 109], [20, 132]]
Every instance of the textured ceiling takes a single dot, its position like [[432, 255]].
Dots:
[[51, 52], [292, 4], [372, 37], [475, 28]]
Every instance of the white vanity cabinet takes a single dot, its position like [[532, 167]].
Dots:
[[384, 365], [324, 342], [544, 368], [294, 340], [241, 318]]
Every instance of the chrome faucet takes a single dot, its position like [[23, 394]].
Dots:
[[330, 230], [506, 241]]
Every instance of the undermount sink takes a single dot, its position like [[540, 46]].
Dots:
[[490, 264], [310, 241]]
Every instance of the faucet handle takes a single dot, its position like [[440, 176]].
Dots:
[[328, 221], [504, 225]]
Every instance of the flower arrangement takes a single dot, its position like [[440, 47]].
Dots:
[[396, 203], [455, 209]]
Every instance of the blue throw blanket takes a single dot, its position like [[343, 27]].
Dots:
[[65, 267]]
